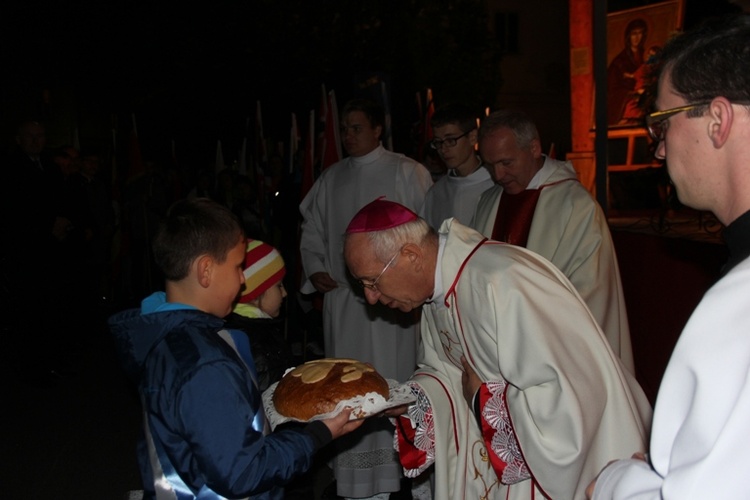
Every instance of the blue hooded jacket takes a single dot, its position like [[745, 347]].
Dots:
[[200, 402]]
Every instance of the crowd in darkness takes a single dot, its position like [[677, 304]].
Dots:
[[78, 244]]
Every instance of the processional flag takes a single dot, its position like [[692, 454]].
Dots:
[[261, 160], [136, 167], [388, 139], [294, 140], [176, 184], [308, 167], [261, 156], [219, 158], [242, 167], [331, 152], [321, 131], [430, 110]]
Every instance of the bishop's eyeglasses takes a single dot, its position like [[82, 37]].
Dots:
[[374, 285]]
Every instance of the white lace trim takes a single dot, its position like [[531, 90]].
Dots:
[[504, 443], [420, 414]]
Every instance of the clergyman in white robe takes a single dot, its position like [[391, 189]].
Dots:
[[699, 447], [570, 229], [352, 328]]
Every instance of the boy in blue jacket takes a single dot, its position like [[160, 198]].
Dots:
[[205, 429]]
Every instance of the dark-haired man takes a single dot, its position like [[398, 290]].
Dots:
[[698, 443], [367, 465]]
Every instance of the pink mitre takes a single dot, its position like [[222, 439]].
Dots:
[[379, 215]]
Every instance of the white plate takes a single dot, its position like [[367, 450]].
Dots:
[[363, 406]]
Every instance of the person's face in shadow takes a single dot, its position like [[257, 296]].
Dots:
[[358, 134], [31, 139]]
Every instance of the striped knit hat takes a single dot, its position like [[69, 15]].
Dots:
[[264, 267]]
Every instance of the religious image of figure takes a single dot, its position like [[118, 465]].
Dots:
[[634, 108], [621, 72]]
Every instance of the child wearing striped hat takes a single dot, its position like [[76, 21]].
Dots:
[[257, 311], [264, 289]]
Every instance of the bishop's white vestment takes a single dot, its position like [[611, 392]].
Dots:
[[556, 404]]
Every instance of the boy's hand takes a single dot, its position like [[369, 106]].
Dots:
[[340, 424]]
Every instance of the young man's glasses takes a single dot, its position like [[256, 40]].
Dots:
[[448, 141], [656, 123], [374, 285]]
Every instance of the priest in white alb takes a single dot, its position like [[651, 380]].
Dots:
[[366, 466], [538, 203]]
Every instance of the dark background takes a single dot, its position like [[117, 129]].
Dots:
[[193, 73]]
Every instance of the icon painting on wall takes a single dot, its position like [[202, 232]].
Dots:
[[634, 38]]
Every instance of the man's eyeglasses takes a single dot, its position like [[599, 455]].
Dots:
[[656, 123], [374, 285], [448, 141]]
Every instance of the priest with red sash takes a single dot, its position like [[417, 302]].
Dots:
[[538, 203], [518, 393]]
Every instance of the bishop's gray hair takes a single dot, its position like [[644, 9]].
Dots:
[[387, 242]]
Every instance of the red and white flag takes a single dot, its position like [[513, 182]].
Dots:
[[308, 167], [294, 140], [428, 117], [331, 152], [426, 128]]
